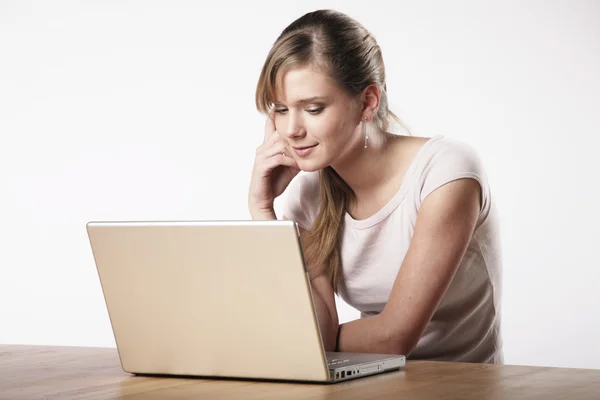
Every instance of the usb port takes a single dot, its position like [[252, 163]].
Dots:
[[349, 373]]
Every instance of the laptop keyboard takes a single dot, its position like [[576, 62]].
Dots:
[[335, 361]]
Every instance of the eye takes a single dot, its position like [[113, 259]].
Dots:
[[281, 110], [315, 111]]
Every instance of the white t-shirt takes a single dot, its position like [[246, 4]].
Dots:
[[466, 324]]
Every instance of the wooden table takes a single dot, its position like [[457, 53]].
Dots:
[[44, 372]]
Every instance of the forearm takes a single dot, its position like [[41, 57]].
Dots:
[[328, 323], [369, 335]]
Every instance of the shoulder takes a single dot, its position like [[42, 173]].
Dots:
[[445, 152], [443, 160]]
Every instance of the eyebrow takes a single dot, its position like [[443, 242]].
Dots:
[[305, 101]]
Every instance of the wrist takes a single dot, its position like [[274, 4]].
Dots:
[[262, 214], [337, 338]]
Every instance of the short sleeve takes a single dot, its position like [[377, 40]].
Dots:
[[448, 160], [300, 200]]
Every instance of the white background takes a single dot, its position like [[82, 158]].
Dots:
[[115, 110]]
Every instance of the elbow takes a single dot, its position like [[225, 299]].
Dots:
[[397, 340], [400, 349], [396, 346]]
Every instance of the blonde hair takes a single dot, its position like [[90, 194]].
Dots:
[[337, 44]]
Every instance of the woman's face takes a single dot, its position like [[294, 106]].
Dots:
[[313, 111]]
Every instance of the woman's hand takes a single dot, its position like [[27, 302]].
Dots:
[[272, 172]]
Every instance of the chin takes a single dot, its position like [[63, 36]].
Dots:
[[310, 166]]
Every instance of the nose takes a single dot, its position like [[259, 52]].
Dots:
[[293, 127]]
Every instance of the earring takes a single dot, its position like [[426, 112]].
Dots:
[[366, 133]]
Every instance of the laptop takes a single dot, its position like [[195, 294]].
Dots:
[[217, 299]]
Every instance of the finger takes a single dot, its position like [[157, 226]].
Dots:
[[274, 138], [285, 159], [280, 159], [275, 149], [270, 122], [290, 162], [270, 148]]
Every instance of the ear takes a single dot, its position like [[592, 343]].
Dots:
[[371, 96]]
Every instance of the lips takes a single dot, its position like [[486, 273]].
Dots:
[[305, 147]]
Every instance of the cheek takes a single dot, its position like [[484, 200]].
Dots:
[[344, 128], [331, 127]]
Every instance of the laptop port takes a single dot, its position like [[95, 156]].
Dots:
[[349, 373], [343, 374], [337, 375]]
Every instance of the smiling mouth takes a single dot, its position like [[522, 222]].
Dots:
[[302, 148], [304, 151]]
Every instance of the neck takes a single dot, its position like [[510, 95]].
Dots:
[[366, 170]]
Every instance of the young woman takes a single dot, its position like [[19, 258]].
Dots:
[[402, 228]]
